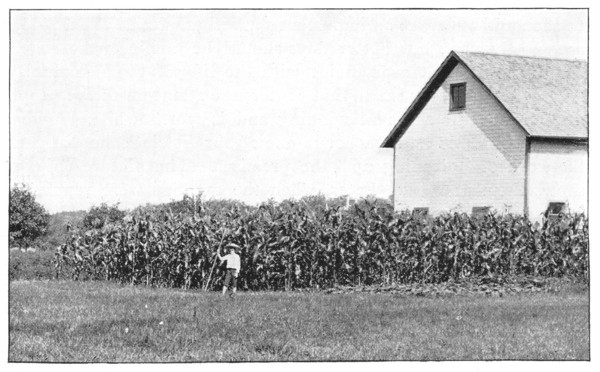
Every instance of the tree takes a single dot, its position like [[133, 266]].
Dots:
[[97, 217], [28, 220]]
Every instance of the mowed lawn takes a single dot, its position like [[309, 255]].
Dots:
[[64, 321]]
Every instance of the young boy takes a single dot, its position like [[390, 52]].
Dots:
[[233, 268]]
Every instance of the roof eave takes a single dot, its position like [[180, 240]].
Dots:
[[559, 138], [422, 98], [487, 89]]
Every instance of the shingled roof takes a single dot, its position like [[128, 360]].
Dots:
[[546, 97]]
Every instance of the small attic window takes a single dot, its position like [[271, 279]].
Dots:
[[458, 96]]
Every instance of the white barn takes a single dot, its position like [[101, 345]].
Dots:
[[498, 132]]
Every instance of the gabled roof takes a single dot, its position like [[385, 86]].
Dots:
[[546, 97]]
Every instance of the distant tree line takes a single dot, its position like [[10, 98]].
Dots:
[[32, 225]]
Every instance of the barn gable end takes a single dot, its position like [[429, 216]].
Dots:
[[456, 160], [524, 121]]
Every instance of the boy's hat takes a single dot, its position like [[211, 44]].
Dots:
[[232, 245]]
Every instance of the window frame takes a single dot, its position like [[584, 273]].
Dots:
[[454, 107]]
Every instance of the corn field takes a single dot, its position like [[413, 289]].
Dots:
[[291, 246]]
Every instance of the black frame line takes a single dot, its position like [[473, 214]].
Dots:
[[288, 9]]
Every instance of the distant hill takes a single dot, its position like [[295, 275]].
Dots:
[[57, 228]]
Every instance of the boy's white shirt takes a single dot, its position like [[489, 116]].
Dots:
[[233, 261]]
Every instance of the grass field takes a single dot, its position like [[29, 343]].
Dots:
[[31, 265], [64, 321]]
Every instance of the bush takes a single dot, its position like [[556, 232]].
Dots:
[[97, 217]]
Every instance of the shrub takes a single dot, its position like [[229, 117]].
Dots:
[[97, 217]]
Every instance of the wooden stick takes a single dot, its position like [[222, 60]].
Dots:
[[214, 264]]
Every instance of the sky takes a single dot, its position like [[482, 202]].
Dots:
[[141, 107]]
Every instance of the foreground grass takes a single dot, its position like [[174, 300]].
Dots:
[[64, 321]]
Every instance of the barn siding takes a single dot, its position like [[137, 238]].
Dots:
[[557, 173], [455, 160]]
